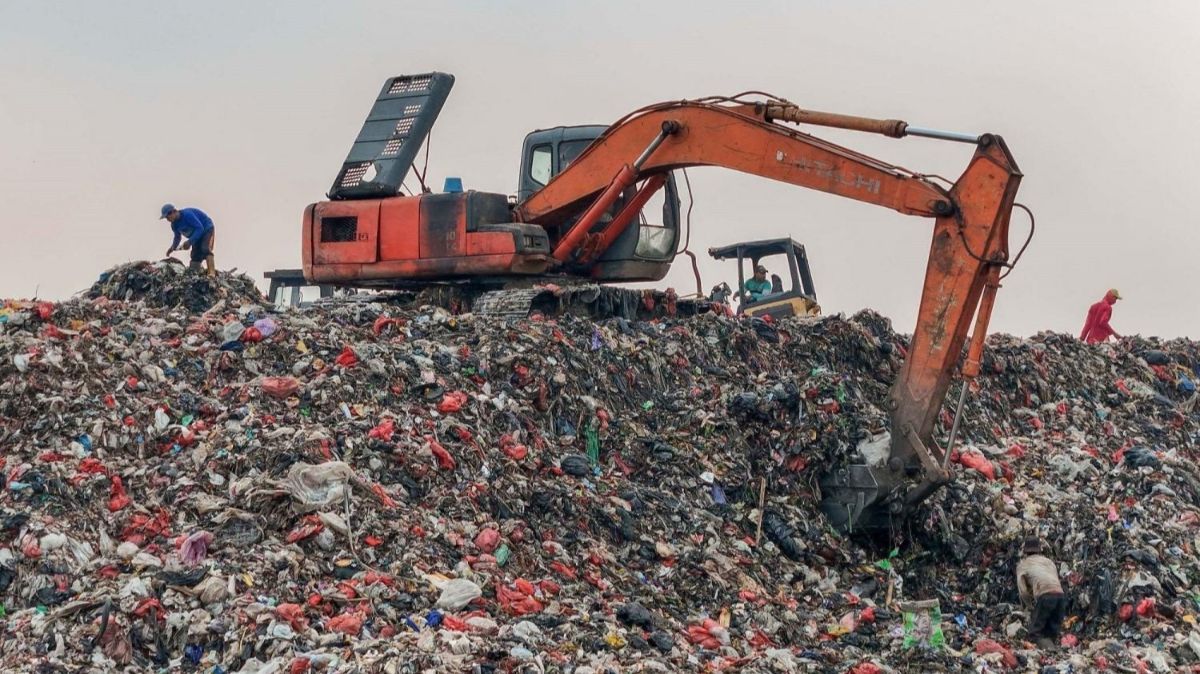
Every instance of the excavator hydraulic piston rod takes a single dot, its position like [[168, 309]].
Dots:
[[575, 244], [787, 112], [893, 128], [942, 135]]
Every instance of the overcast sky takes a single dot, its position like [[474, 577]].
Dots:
[[246, 110]]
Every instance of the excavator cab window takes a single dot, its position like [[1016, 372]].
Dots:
[[541, 166], [568, 150], [640, 253]]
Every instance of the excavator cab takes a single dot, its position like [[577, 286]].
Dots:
[[644, 251], [798, 298]]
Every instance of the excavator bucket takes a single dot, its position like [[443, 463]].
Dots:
[[399, 122]]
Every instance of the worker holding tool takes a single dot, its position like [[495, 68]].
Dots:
[[198, 230], [1096, 328], [759, 286], [1041, 593]]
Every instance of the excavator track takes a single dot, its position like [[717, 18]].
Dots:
[[506, 304]]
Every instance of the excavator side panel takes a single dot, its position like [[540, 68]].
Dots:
[[443, 225], [400, 229], [345, 232]]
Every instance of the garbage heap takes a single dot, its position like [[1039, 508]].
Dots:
[[167, 284], [367, 488]]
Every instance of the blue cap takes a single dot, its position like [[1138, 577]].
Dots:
[[167, 208]]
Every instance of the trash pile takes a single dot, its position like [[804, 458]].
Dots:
[[167, 284], [359, 487]]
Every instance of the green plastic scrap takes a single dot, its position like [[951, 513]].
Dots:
[[923, 624], [886, 562], [502, 554], [593, 443]]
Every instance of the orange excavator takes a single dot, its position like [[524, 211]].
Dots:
[[579, 216]]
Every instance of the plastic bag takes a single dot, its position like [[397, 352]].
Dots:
[[266, 326], [320, 485], [457, 593], [280, 387], [383, 431], [347, 358], [231, 331], [452, 402], [782, 534], [923, 624]]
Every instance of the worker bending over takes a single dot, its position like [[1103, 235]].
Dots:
[[1096, 328], [1041, 593], [193, 225], [758, 287]]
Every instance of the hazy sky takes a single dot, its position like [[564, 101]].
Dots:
[[246, 109]]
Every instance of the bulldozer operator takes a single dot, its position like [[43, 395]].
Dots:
[[758, 287], [198, 232]]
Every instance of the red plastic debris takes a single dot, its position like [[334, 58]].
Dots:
[[1069, 641], [30, 547], [117, 498], [280, 387], [383, 322], [294, 615], [45, 310], [298, 666], [865, 668], [512, 449], [251, 335], [974, 459], [518, 599], [1145, 607], [706, 634], [349, 624], [150, 607], [309, 526], [985, 646], [444, 460], [452, 402], [384, 431], [487, 540], [387, 501], [347, 358]]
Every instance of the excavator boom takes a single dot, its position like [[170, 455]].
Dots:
[[969, 247]]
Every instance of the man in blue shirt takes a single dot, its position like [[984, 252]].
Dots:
[[197, 229]]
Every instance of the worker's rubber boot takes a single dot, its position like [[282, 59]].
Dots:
[[211, 262]]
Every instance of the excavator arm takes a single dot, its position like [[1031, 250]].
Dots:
[[969, 248]]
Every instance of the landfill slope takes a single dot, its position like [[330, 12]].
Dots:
[[364, 487]]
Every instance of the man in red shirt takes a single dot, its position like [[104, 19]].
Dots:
[[1096, 328]]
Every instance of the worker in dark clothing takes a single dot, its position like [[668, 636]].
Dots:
[[1096, 328], [758, 287], [1041, 593], [198, 232]]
